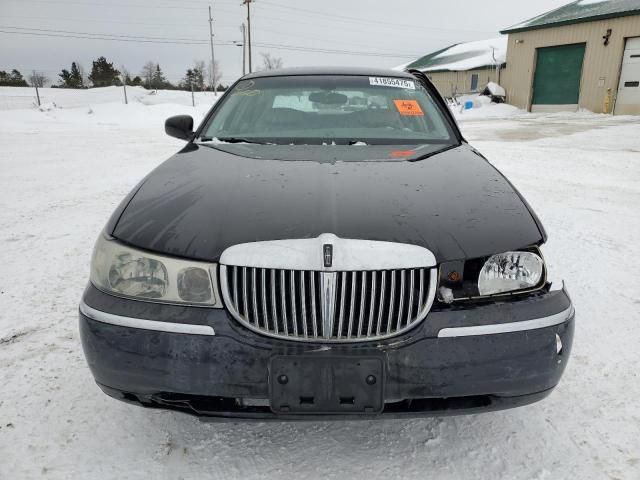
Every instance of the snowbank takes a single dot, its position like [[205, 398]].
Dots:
[[483, 108], [25, 97]]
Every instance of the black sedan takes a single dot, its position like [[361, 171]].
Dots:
[[326, 244]]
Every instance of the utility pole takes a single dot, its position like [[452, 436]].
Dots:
[[244, 48], [248, 3], [213, 58]]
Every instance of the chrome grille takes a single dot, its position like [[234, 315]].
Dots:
[[325, 306]]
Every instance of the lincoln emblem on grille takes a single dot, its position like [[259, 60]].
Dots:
[[328, 254]]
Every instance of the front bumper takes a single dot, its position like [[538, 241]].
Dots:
[[201, 361]]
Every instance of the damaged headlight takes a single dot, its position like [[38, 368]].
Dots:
[[509, 272], [126, 271]]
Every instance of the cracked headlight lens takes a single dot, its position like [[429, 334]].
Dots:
[[510, 272], [129, 272]]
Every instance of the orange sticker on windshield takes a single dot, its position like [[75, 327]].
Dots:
[[409, 108], [402, 153]]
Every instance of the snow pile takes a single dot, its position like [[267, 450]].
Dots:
[[483, 108], [25, 97], [47, 107], [496, 90]]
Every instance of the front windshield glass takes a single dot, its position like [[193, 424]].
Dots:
[[322, 109]]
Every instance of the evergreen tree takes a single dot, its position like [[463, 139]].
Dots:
[[103, 73], [17, 79], [136, 81], [13, 79], [194, 78], [187, 82], [71, 79], [158, 80]]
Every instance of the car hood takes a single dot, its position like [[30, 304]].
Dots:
[[204, 199]]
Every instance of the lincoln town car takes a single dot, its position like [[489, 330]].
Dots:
[[326, 244]]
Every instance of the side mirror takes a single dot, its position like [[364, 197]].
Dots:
[[179, 126]]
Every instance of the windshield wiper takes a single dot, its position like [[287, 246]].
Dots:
[[434, 152], [234, 140]]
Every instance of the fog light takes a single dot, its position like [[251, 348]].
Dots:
[[558, 344]]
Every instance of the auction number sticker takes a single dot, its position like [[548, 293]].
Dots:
[[392, 82]]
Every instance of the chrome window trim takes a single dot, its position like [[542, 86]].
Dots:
[[141, 323], [510, 327]]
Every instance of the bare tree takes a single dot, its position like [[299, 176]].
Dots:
[[147, 73], [217, 75], [83, 75], [269, 62], [37, 79], [125, 75], [200, 69]]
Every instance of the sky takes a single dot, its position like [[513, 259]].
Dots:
[[301, 32]]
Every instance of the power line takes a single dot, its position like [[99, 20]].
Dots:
[[274, 46], [360, 28], [57, 35], [185, 41], [342, 17], [174, 24], [277, 46], [110, 4], [104, 34], [102, 20]]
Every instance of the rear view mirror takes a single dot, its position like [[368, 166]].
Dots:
[[179, 126], [328, 98]]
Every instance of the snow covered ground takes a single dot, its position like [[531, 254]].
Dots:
[[12, 98], [64, 170]]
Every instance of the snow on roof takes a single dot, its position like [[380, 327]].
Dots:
[[464, 56], [579, 11]]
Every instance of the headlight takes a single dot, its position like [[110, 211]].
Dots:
[[129, 272], [509, 272]]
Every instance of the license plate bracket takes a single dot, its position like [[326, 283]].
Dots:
[[334, 385]]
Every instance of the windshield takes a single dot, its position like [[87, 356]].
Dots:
[[341, 110]]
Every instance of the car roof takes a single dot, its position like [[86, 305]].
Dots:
[[300, 71]]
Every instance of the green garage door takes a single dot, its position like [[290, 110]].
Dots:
[[556, 84]]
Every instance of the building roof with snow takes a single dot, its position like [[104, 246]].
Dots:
[[579, 12], [464, 56]]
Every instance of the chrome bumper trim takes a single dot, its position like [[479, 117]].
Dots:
[[495, 328], [143, 324]]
